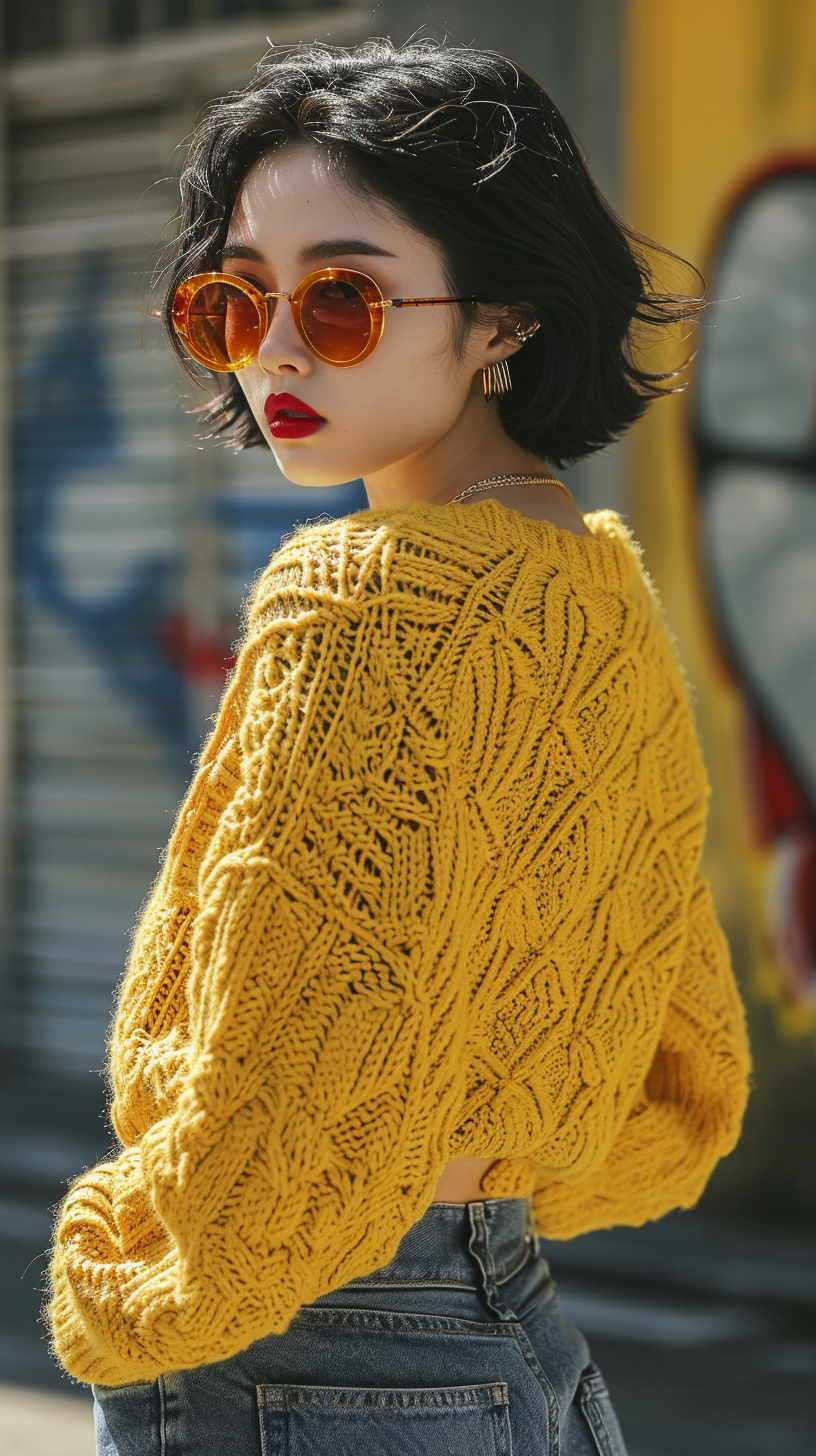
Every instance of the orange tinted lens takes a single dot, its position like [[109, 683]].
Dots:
[[336, 320], [223, 326]]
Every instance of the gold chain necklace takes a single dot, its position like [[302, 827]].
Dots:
[[501, 482]]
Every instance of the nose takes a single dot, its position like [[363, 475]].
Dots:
[[282, 350]]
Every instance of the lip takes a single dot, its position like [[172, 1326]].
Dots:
[[289, 418]]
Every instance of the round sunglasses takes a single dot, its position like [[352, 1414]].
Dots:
[[340, 314]]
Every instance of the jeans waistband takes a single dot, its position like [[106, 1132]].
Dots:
[[464, 1244]]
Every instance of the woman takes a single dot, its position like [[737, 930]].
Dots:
[[429, 968]]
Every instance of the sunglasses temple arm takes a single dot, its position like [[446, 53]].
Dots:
[[421, 302]]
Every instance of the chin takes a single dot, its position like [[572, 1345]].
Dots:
[[301, 470]]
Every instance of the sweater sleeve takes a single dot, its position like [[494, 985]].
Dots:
[[315, 1069], [689, 1112], [151, 1033]]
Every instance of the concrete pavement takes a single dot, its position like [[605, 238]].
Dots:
[[37, 1423]]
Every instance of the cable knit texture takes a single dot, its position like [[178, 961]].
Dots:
[[433, 893]]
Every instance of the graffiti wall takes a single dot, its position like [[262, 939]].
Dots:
[[721, 148], [132, 550], [755, 457], [721, 134]]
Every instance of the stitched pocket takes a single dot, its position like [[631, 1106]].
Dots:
[[598, 1410], [447, 1420]]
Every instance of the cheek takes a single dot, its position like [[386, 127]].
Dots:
[[254, 386], [402, 399], [414, 374]]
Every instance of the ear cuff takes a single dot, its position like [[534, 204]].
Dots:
[[496, 380]]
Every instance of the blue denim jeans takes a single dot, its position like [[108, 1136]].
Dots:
[[455, 1348]]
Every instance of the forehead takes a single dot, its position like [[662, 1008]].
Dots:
[[281, 187], [295, 196]]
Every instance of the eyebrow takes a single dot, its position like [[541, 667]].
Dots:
[[237, 250], [313, 252], [341, 247]]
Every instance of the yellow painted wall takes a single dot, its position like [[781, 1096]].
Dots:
[[714, 90], [713, 86]]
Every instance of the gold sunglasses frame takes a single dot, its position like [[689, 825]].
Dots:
[[369, 291]]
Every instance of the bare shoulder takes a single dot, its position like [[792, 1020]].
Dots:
[[566, 517], [541, 503]]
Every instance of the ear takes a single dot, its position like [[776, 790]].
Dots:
[[506, 332]]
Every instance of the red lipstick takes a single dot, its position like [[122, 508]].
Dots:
[[289, 418]]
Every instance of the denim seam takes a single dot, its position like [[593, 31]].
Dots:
[[162, 1395], [508, 1424], [590, 1388], [368, 1283], [396, 1320], [282, 1398], [290, 1395], [550, 1398], [481, 1251], [480, 1218]]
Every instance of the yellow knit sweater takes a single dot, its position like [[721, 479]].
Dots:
[[434, 893]]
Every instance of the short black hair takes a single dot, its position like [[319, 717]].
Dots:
[[472, 152]]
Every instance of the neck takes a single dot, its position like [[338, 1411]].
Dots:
[[475, 447]]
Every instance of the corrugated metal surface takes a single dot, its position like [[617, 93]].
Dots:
[[132, 549], [97, 533]]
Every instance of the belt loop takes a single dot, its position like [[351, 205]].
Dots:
[[532, 1234], [479, 1247]]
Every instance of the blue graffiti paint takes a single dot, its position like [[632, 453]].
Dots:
[[258, 524], [67, 424]]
